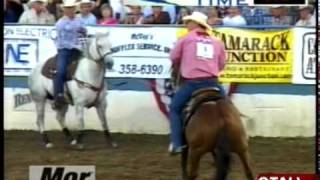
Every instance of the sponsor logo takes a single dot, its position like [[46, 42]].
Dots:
[[20, 53], [309, 56], [21, 99], [62, 173], [287, 177]]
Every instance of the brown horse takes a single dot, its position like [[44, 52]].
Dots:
[[215, 127]]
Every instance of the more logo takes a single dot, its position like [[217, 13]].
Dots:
[[62, 173]]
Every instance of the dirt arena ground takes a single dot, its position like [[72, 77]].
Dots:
[[144, 157]]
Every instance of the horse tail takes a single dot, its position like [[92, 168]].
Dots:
[[223, 154]]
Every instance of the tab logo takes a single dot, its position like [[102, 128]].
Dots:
[[62, 173]]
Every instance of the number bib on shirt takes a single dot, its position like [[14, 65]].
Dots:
[[204, 51]]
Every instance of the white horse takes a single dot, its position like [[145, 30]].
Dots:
[[86, 88]]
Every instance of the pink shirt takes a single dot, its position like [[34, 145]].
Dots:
[[108, 22], [200, 55]]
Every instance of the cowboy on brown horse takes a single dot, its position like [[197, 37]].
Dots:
[[201, 58]]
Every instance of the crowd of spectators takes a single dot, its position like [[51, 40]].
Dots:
[[103, 12]]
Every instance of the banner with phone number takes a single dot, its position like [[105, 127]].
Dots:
[[137, 52], [142, 52]]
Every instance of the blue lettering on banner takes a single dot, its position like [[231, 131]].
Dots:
[[25, 31], [242, 3], [16, 54], [224, 2], [20, 53]]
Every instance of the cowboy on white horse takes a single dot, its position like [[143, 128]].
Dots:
[[69, 31]]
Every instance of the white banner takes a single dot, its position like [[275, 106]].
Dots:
[[304, 65], [139, 52]]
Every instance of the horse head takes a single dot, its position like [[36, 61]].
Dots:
[[100, 49]]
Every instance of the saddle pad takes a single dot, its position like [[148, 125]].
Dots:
[[50, 68], [196, 101]]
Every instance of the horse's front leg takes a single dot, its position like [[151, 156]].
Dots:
[[61, 114], [79, 117], [40, 108], [101, 107]]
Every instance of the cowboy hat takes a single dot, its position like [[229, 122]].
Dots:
[[69, 3], [86, 2], [305, 7], [43, 1], [199, 18]]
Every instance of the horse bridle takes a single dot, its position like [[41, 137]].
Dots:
[[99, 52], [99, 63]]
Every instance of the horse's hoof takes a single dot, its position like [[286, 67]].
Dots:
[[73, 142], [49, 145]]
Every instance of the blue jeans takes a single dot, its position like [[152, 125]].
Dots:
[[179, 100], [63, 61]]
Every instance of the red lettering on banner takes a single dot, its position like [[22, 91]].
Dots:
[[287, 177]]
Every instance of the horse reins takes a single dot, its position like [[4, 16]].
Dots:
[[101, 65]]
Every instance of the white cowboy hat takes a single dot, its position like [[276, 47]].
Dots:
[[86, 2], [32, 1], [69, 3], [305, 7], [43, 1], [199, 18]]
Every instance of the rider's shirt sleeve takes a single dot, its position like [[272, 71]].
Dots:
[[222, 57], [176, 52]]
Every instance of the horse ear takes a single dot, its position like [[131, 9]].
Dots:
[[98, 34], [107, 33]]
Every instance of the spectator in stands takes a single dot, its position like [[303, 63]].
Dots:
[[37, 14], [255, 15], [54, 8], [222, 11], [107, 15], [85, 15], [158, 16], [9, 15], [12, 10], [184, 11], [96, 11], [213, 17], [306, 18], [279, 16], [171, 10], [135, 16], [234, 17], [119, 9], [100, 3]]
